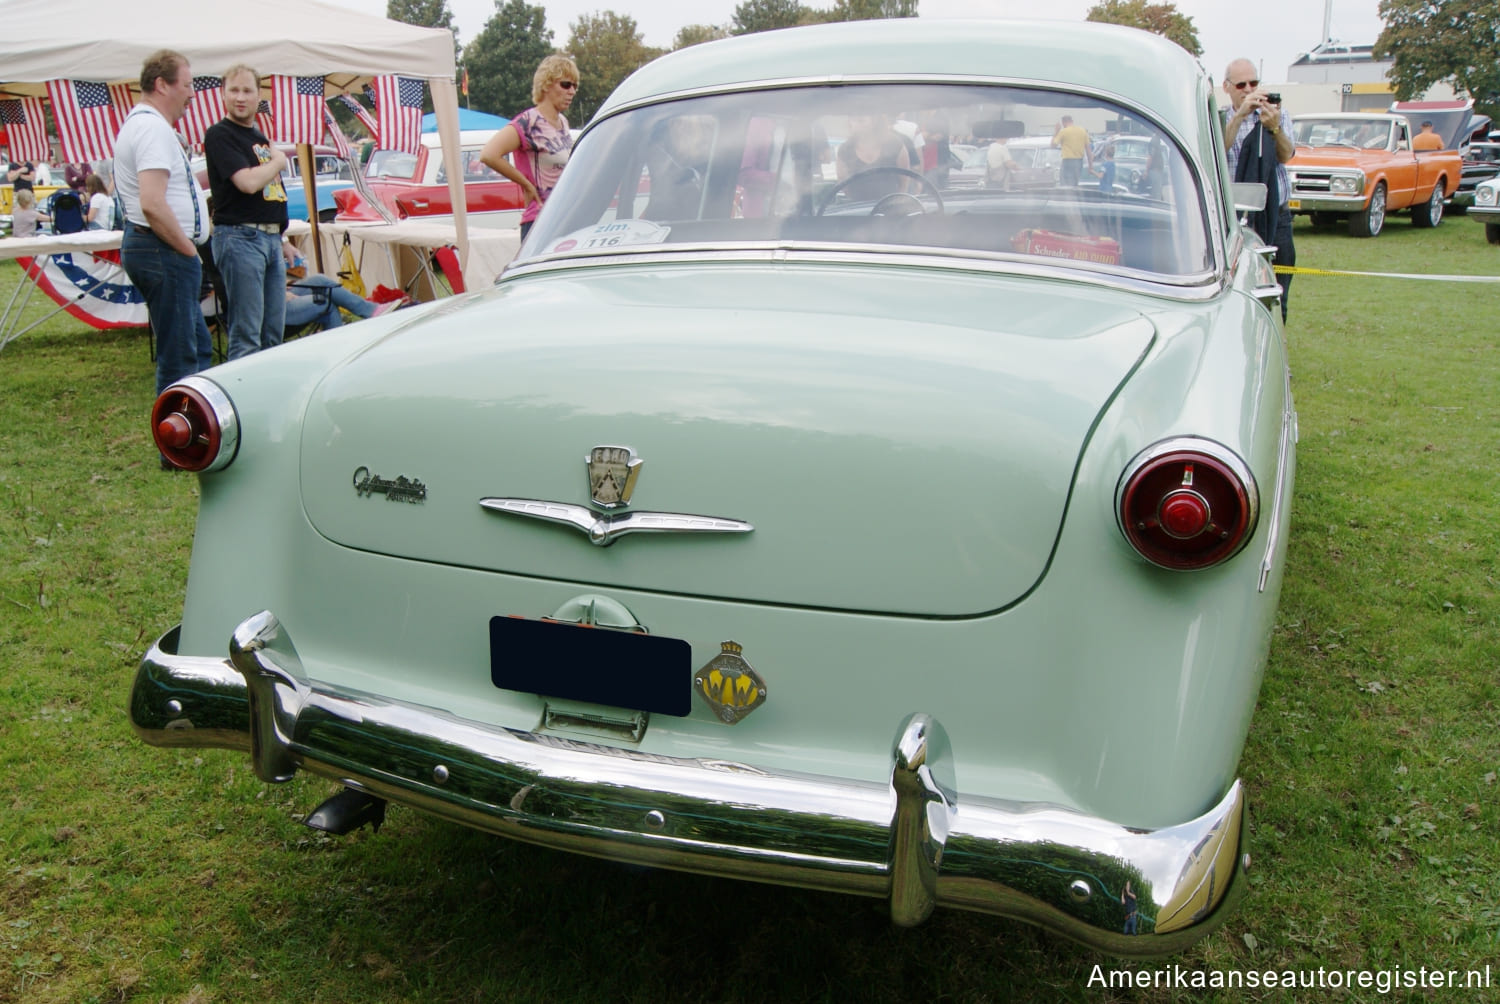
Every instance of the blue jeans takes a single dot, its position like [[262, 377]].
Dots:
[[322, 305], [255, 283], [171, 283]]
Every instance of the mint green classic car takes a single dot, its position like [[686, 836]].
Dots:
[[784, 512]]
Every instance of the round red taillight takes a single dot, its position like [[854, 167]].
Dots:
[[194, 425], [1187, 503]]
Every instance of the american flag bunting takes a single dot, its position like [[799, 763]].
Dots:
[[27, 129], [87, 121], [398, 109], [365, 118], [264, 120], [298, 104], [122, 98], [340, 144], [206, 108]]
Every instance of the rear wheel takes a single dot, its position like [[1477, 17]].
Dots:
[[1369, 222], [1323, 218], [1430, 213], [1492, 232]]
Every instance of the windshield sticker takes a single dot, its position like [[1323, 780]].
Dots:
[[615, 234]]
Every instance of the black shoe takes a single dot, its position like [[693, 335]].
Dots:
[[167, 465]]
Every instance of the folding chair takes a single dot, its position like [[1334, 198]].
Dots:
[[215, 303]]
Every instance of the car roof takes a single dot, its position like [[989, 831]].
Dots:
[[1138, 66], [466, 138]]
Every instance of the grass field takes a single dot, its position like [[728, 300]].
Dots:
[[135, 874]]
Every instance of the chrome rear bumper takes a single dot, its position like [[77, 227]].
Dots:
[[915, 842]]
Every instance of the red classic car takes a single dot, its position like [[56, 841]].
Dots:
[[416, 186]]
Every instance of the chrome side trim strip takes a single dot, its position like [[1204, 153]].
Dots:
[[603, 529], [1273, 528], [914, 841]]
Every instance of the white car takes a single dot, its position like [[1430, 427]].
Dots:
[[1486, 208]]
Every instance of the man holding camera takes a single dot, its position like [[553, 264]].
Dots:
[[1259, 142]]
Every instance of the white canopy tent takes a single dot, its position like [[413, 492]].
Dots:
[[106, 41]]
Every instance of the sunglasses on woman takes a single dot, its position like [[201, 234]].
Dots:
[[570, 85]]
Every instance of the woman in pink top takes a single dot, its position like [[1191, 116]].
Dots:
[[541, 135]]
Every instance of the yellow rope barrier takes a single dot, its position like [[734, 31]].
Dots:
[[1295, 270]]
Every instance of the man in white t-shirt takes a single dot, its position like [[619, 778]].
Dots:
[[166, 218]]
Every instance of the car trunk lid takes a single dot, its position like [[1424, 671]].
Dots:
[[902, 440]]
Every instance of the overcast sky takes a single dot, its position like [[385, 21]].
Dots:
[[1273, 32]]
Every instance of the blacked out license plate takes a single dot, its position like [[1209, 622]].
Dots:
[[622, 669]]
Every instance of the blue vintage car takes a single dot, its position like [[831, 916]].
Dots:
[[781, 514], [332, 173]]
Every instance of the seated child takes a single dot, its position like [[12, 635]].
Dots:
[[25, 216]]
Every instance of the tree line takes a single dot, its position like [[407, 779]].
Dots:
[[607, 46], [1430, 41]]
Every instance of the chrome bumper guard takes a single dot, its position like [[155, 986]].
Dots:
[[914, 842]]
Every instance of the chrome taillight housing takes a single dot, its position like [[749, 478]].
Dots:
[[195, 425], [1187, 503]]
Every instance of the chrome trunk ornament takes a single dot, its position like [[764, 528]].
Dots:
[[603, 529], [613, 471]]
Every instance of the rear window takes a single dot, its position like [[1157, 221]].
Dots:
[[1052, 174], [391, 164]]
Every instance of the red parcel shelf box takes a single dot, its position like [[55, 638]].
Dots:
[[1051, 244]]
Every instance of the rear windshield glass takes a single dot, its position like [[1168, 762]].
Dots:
[[977, 170], [391, 164]]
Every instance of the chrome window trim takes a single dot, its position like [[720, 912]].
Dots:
[[1206, 286], [1199, 171]]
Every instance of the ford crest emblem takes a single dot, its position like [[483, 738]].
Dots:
[[612, 474]]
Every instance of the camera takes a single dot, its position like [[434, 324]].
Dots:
[[1273, 99]]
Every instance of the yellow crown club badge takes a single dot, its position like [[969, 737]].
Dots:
[[730, 686]]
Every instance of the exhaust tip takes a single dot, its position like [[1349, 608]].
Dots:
[[346, 812]]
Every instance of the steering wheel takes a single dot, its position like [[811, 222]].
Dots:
[[875, 210]]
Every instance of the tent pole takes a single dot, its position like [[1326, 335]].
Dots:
[[445, 107], [310, 189]]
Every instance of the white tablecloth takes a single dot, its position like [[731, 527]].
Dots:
[[86, 240], [396, 254]]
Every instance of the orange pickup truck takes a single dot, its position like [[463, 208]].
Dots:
[[1362, 167]]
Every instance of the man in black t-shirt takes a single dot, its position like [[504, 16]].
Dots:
[[249, 214]]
